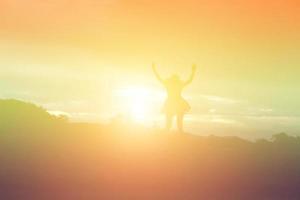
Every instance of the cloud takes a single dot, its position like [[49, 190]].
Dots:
[[219, 99], [58, 113], [213, 119]]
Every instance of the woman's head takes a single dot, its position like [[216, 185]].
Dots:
[[174, 77]]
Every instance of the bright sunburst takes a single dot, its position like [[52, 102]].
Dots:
[[138, 102]]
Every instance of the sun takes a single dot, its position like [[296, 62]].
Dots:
[[138, 103]]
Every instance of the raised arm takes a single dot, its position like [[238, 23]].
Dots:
[[156, 73], [192, 75]]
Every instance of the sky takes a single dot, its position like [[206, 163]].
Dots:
[[92, 60]]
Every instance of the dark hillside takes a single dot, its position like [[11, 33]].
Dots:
[[51, 159]]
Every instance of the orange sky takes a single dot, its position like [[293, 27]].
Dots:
[[63, 18]]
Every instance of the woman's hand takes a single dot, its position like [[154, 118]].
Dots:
[[153, 66], [156, 73], [194, 67]]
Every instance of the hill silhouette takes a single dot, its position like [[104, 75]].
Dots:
[[15, 114], [44, 157]]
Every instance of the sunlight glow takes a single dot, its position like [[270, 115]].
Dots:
[[138, 102]]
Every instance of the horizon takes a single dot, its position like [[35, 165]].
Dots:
[[92, 61]]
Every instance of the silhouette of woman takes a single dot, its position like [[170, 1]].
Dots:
[[175, 105]]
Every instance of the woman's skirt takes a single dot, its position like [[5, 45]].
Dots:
[[176, 106]]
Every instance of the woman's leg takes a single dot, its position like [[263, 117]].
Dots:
[[180, 122], [169, 119]]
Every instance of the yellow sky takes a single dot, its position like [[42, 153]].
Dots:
[[72, 56]]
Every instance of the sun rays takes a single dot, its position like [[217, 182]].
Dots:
[[138, 103]]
